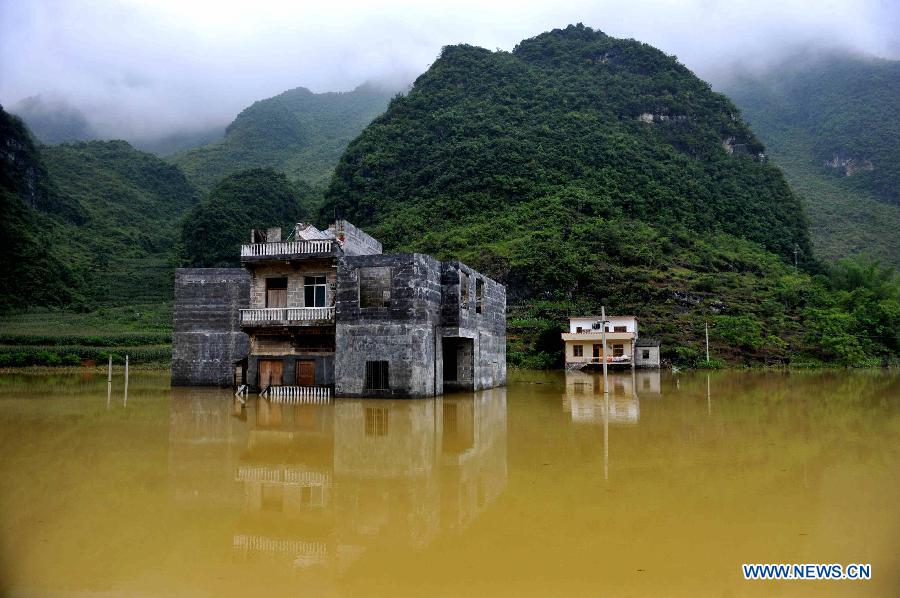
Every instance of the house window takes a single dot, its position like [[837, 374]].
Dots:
[[620, 329], [479, 295], [463, 290], [314, 291], [377, 375], [375, 286], [645, 354], [579, 329], [578, 350], [276, 292], [376, 421], [618, 350]]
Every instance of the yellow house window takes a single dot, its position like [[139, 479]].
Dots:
[[618, 350], [578, 350]]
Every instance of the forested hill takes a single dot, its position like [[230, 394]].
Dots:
[[30, 203], [584, 170], [297, 132], [86, 224], [125, 251], [829, 121], [574, 112]]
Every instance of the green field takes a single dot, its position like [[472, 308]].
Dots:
[[47, 337]]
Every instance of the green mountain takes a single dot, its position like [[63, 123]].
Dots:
[[125, 251], [31, 268], [827, 120], [297, 132], [585, 170], [258, 198]]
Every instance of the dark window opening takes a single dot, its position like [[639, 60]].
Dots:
[[618, 350], [314, 291], [620, 329], [463, 290], [597, 350], [479, 295], [578, 329], [645, 353], [376, 421], [377, 375], [375, 286], [276, 292], [578, 350]]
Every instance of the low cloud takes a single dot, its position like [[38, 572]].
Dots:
[[141, 69]]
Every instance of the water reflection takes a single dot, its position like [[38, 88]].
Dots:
[[321, 485], [584, 399]]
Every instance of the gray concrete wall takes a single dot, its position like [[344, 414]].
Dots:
[[652, 362], [405, 334], [487, 326], [206, 337], [353, 240]]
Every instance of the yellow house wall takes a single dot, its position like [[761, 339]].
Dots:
[[589, 349]]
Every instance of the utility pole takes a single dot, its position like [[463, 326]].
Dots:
[[603, 340], [706, 327]]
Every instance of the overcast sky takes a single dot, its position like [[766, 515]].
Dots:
[[141, 68]]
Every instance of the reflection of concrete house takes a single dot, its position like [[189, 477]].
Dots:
[[624, 348], [323, 484], [328, 310]]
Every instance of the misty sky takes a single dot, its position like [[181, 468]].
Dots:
[[145, 68]]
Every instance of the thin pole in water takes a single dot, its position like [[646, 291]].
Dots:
[[603, 340], [706, 327], [126, 379], [109, 374]]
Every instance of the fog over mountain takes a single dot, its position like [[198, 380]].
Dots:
[[148, 70]]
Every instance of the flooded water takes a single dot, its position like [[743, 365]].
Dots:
[[542, 487]]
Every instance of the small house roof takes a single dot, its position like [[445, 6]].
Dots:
[[608, 316], [647, 342]]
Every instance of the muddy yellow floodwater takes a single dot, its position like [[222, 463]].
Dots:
[[540, 488]]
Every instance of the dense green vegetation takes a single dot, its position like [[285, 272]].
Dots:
[[52, 337], [810, 109], [297, 132], [536, 167], [214, 229], [31, 269], [124, 252]]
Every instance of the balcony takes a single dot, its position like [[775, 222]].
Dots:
[[288, 316], [286, 249], [596, 335]]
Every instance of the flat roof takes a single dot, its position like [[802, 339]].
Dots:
[[598, 317]]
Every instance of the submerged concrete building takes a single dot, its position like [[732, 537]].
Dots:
[[327, 311]]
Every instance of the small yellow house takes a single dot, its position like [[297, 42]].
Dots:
[[584, 341]]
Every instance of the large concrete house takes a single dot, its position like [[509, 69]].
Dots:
[[327, 311]]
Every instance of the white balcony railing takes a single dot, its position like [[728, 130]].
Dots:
[[286, 248], [311, 315]]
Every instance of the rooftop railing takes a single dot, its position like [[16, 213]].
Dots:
[[286, 248]]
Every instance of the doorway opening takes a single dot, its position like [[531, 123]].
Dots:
[[459, 363]]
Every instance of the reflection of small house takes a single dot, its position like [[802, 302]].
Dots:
[[585, 402], [584, 343]]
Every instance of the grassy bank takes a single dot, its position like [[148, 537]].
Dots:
[[60, 338]]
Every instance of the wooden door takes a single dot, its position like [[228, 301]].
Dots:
[[306, 373], [597, 351], [270, 372]]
